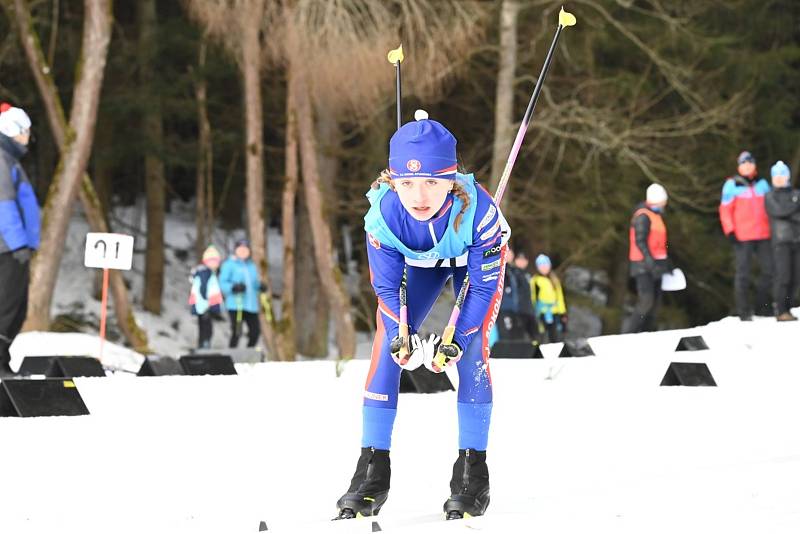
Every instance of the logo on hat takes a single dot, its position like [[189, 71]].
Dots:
[[413, 165]]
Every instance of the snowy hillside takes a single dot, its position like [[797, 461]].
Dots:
[[577, 445]]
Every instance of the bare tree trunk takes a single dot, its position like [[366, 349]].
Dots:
[[59, 128], [72, 165], [313, 316], [313, 338], [329, 272], [289, 199], [205, 162], [254, 162], [154, 185], [504, 99]]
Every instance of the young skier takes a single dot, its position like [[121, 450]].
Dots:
[[548, 301], [205, 297], [430, 222]]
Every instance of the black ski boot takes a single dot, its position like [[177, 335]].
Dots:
[[369, 487], [469, 486]]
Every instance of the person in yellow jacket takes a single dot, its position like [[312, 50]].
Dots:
[[548, 302]]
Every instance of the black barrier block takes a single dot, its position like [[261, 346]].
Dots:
[[691, 343], [36, 365], [160, 366], [208, 364], [421, 380], [688, 374], [515, 349], [576, 348], [39, 398], [74, 366]]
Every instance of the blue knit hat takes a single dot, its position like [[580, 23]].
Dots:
[[422, 149], [780, 169], [543, 260]]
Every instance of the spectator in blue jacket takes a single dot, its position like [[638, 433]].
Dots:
[[19, 228], [238, 279]]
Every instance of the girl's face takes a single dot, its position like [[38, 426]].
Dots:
[[544, 269], [242, 252], [422, 197]]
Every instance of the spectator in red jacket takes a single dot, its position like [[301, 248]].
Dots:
[[745, 223]]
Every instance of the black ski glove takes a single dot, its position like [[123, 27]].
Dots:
[[238, 288], [263, 288]]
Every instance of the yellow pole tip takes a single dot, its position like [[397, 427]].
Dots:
[[566, 19], [396, 56]]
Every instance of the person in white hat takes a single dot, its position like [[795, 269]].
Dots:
[[19, 227], [648, 257]]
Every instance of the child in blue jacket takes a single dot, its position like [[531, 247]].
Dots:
[[240, 284], [205, 297], [433, 224]]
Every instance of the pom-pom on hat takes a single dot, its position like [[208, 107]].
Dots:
[[543, 260], [13, 121], [211, 253], [780, 169], [656, 194], [422, 149]]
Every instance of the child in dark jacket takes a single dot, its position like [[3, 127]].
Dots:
[[783, 207], [205, 297]]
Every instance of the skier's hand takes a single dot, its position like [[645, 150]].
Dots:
[[442, 355], [417, 348], [22, 255], [395, 346], [238, 288]]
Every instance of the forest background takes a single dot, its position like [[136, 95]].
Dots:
[[277, 113]]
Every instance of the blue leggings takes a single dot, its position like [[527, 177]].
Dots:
[[475, 384]]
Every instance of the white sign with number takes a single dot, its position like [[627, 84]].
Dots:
[[108, 251]]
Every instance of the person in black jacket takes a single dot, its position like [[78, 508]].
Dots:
[[783, 207]]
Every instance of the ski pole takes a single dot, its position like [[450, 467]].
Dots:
[[396, 57], [565, 19], [239, 306]]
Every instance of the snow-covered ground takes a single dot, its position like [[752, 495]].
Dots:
[[577, 445]]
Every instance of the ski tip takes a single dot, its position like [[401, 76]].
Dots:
[[262, 526], [376, 527]]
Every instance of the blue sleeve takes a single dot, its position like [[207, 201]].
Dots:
[[12, 228], [385, 273], [485, 262], [762, 187], [729, 192], [30, 212], [225, 278]]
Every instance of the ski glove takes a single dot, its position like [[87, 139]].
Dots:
[[441, 355], [238, 288], [22, 255], [394, 348], [263, 288]]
